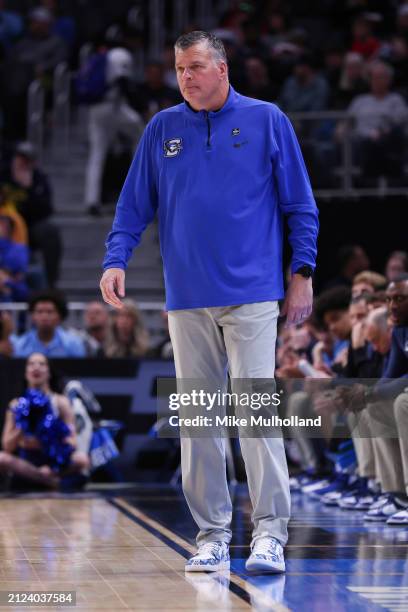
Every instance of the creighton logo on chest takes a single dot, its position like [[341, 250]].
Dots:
[[172, 147]]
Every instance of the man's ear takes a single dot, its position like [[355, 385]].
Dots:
[[223, 69]]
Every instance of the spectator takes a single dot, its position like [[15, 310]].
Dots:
[[63, 26], [275, 29], [235, 57], [8, 209], [28, 188], [306, 90], [402, 21], [35, 56], [397, 264], [367, 282], [364, 42], [153, 94], [96, 324], [110, 116], [127, 336], [40, 48], [396, 53], [11, 27], [351, 259], [258, 83], [13, 264], [379, 116], [48, 310], [24, 454], [333, 62], [6, 329], [352, 82]]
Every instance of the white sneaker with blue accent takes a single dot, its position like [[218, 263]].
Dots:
[[266, 556], [210, 557]]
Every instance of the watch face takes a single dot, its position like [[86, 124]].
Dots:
[[305, 271]]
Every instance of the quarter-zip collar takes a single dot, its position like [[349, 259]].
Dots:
[[203, 115]]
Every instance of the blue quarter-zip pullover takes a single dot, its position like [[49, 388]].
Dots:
[[221, 183]]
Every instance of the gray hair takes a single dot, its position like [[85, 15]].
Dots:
[[378, 318], [212, 42]]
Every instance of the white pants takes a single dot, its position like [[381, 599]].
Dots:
[[206, 343], [107, 120]]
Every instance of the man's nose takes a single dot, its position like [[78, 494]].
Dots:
[[186, 74]]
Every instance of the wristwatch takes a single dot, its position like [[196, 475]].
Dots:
[[305, 271]]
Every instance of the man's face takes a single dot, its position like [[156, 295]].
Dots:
[[199, 76], [95, 315], [358, 312], [45, 316], [338, 323], [395, 267], [397, 301]]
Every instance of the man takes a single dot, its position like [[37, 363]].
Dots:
[[379, 117], [96, 325], [222, 170], [48, 310]]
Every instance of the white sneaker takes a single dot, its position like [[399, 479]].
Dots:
[[210, 557], [399, 518], [266, 556]]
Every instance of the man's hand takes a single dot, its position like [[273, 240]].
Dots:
[[298, 301], [112, 285]]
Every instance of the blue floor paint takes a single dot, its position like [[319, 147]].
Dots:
[[335, 561]]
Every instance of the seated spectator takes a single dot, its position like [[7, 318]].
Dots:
[[235, 57], [27, 450], [40, 48], [397, 264], [96, 325], [402, 21], [34, 56], [8, 209], [367, 282], [306, 90], [26, 186], [378, 119], [395, 52], [62, 25], [351, 259], [364, 42], [13, 264], [352, 82], [6, 329], [11, 26], [127, 335], [258, 83], [48, 310]]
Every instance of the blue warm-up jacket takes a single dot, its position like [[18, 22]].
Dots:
[[221, 183]]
